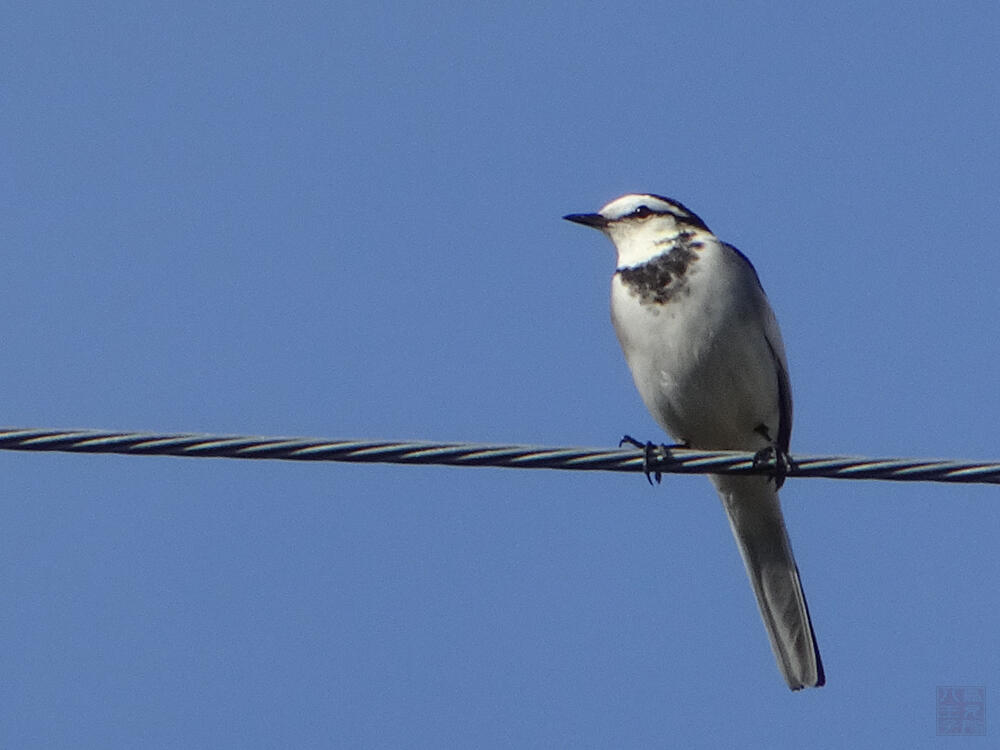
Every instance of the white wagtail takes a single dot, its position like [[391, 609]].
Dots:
[[707, 357]]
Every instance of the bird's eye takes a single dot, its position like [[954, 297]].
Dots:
[[642, 212]]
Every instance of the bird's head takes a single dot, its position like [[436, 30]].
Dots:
[[640, 224]]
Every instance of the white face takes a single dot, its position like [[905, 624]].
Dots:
[[638, 223]]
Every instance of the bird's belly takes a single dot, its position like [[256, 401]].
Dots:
[[709, 381]]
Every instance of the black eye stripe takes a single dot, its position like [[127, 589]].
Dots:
[[664, 207], [686, 219]]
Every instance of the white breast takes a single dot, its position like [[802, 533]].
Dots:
[[701, 362]]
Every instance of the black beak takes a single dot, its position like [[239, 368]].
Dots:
[[589, 220]]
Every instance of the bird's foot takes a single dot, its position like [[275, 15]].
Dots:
[[651, 453], [773, 456], [777, 460]]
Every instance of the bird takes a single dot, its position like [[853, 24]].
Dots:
[[707, 358]]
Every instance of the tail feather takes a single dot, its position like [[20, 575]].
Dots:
[[759, 528]]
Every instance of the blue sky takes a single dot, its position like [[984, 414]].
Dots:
[[343, 220]]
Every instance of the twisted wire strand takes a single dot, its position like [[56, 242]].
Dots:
[[676, 460]]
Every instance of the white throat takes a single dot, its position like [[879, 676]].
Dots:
[[638, 244]]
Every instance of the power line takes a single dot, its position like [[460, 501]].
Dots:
[[678, 461]]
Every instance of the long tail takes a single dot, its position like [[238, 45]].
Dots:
[[755, 516]]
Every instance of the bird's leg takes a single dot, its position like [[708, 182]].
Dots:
[[650, 452], [779, 460]]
